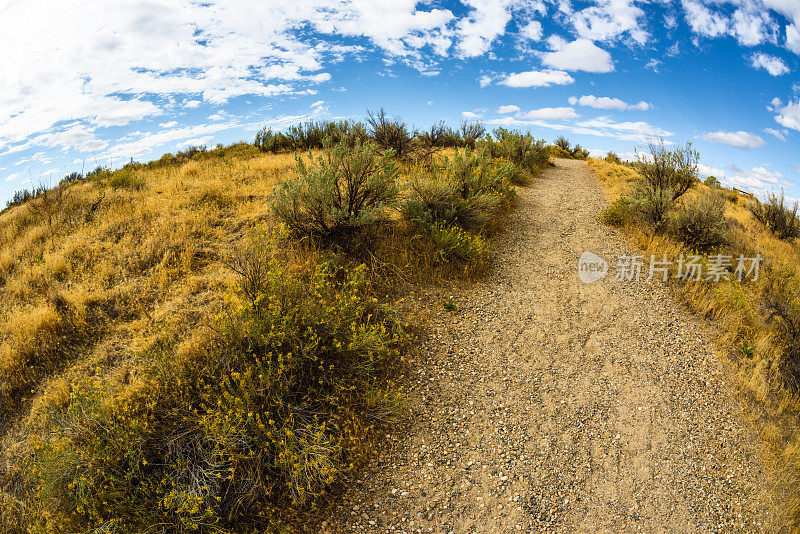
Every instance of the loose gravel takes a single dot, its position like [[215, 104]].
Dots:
[[542, 404]]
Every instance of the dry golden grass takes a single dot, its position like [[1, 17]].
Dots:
[[615, 178], [91, 278], [737, 310]]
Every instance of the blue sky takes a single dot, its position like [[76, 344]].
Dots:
[[87, 83]]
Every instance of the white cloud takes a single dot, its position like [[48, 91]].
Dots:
[[549, 114], [738, 139], [109, 64], [777, 134], [538, 78], [774, 65], [788, 115], [169, 124], [640, 129], [486, 22], [579, 55], [639, 132], [755, 180], [604, 102], [532, 30], [198, 141], [12, 177], [148, 142], [609, 19], [485, 80], [703, 21], [793, 38], [503, 110], [470, 115], [752, 27]]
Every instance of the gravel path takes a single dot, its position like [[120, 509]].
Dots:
[[546, 405]]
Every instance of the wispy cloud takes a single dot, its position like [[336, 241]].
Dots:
[[604, 102], [738, 139]]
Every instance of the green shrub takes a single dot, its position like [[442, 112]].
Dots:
[[618, 212], [467, 190], [652, 204], [561, 148], [612, 157], [558, 152], [712, 182], [267, 141], [439, 200], [701, 224], [579, 153], [475, 172], [674, 170], [776, 215], [310, 136], [528, 155], [451, 244], [470, 133], [731, 195], [562, 143], [439, 136], [389, 134], [125, 179], [345, 188], [242, 433]]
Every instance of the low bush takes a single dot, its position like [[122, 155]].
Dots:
[[561, 148], [674, 170], [242, 432], [451, 244], [343, 189], [776, 215], [562, 143], [439, 136], [440, 200], [612, 157], [528, 155], [389, 133], [731, 195], [470, 133], [269, 141], [310, 136], [652, 204], [712, 182], [700, 224], [454, 204], [558, 152], [125, 179], [579, 153], [618, 212]]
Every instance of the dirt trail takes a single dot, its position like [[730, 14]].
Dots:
[[544, 404]]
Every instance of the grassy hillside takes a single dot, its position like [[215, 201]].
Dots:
[[213, 341], [759, 320]]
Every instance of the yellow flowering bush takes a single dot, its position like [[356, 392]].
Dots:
[[241, 434]]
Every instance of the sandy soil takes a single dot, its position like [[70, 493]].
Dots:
[[544, 404]]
